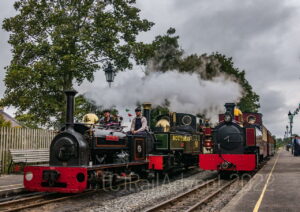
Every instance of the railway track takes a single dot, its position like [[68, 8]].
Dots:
[[26, 200], [194, 198], [197, 197], [42, 199]]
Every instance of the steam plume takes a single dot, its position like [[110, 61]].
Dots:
[[185, 92]]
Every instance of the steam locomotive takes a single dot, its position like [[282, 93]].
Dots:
[[83, 156], [240, 143]]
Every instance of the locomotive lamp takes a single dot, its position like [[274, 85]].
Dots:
[[227, 117], [290, 115], [109, 74]]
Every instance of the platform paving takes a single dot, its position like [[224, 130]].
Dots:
[[10, 184], [276, 187]]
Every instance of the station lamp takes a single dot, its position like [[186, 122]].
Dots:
[[290, 115], [109, 74]]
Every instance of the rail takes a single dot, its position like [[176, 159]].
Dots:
[[190, 200]]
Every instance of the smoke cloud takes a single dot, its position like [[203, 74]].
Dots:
[[185, 92]]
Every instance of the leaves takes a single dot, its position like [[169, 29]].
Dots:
[[57, 44], [3, 122], [250, 100], [167, 55], [84, 106]]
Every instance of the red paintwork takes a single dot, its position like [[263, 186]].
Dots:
[[221, 117], [250, 136], [207, 131], [112, 138], [242, 162], [67, 175], [258, 117], [156, 162]]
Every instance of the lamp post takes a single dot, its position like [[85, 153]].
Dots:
[[109, 74], [286, 133], [290, 115]]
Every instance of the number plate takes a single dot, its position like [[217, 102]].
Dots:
[[112, 138]]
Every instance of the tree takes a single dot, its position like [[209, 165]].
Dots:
[[27, 120], [166, 53], [169, 56], [250, 100], [84, 106], [157, 111], [3, 122], [57, 44]]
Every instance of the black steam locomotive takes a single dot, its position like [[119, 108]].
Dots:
[[83, 156], [240, 142]]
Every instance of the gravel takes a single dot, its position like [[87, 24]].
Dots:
[[224, 198], [146, 198]]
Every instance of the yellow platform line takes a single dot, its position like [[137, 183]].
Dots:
[[258, 203]]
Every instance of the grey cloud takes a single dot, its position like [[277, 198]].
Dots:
[[261, 36], [228, 25]]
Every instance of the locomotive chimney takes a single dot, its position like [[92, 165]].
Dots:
[[230, 108], [70, 108], [146, 112]]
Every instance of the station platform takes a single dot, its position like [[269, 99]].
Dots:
[[11, 184], [276, 187]]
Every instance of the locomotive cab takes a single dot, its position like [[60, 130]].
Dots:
[[178, 142]]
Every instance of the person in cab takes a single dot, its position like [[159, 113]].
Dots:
[[139, 123], [90, 118], [107, 119], [238, 115]]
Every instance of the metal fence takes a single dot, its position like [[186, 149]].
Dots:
[[22, 138]]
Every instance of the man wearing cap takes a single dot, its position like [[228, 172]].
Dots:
[[107, 119], [139, 123]]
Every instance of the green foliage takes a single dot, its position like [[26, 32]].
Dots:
[[166, 53], [3, 122], [157, 111], [282, 142], [84, 106], [250, 100], [57, 44], [169, 56], [27, 120]]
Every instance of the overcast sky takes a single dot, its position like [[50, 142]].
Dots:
[[263, 37]]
